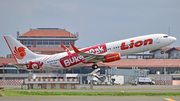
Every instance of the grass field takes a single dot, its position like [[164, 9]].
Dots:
[[16, 93]]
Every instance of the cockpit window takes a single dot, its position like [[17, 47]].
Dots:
[[165, 36]]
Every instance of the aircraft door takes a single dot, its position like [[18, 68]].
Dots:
[[158, 39]]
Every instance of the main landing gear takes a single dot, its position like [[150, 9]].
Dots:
[[94, 66]]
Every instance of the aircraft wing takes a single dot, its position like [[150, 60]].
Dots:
[[89, 57]]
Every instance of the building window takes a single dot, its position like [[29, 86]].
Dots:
[[54, 42], [66, 42], [57, 42], [172, 55], [51, 42], [21, 41], [45, 42], [28, 42], [71, 41], [177, 55], [39, 42]]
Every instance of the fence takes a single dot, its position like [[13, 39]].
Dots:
[[27, 81], [11, 82], [176, 82], [168, 82]]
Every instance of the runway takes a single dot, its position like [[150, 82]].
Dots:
[[89, 99]]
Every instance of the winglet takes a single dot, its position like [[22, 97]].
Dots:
[[66, 49], [74, 48]]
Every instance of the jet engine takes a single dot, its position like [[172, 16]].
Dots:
[[112, 57]]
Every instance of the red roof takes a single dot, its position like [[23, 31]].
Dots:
[[165, 49], [145, 63], [6, 61], [123, 63], [174, 48], [178, 48], [168, 48], [48, 33], [142, 63]]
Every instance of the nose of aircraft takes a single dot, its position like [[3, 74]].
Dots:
[[172, 39]]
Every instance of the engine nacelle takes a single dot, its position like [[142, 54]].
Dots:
[[112, 57]]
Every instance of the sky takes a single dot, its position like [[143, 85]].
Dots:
[[96, 21]]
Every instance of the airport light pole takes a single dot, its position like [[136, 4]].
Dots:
[[160, 75], [164, 69], [3, 71]]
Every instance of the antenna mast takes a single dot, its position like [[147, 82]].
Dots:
[[169, 30]]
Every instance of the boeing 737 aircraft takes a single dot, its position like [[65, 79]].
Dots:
[[108, 52]]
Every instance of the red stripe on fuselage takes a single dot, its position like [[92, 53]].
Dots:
[[71, 60], [10, 49], [74, 59], [99, 49]]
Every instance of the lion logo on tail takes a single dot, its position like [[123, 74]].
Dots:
[[20, 52]]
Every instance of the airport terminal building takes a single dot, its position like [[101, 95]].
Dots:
[[48, 41]]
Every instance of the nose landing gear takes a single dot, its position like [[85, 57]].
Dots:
[[94, 66]]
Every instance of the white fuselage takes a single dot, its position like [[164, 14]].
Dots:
[[124, 47]]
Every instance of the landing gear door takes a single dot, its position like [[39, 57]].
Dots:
[[157, 39]]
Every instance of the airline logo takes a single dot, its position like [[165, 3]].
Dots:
[[34, 65], [99, 49], [139, 43], [71, 60], [19, 53]]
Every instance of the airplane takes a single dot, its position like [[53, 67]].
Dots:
[[108, 52]]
